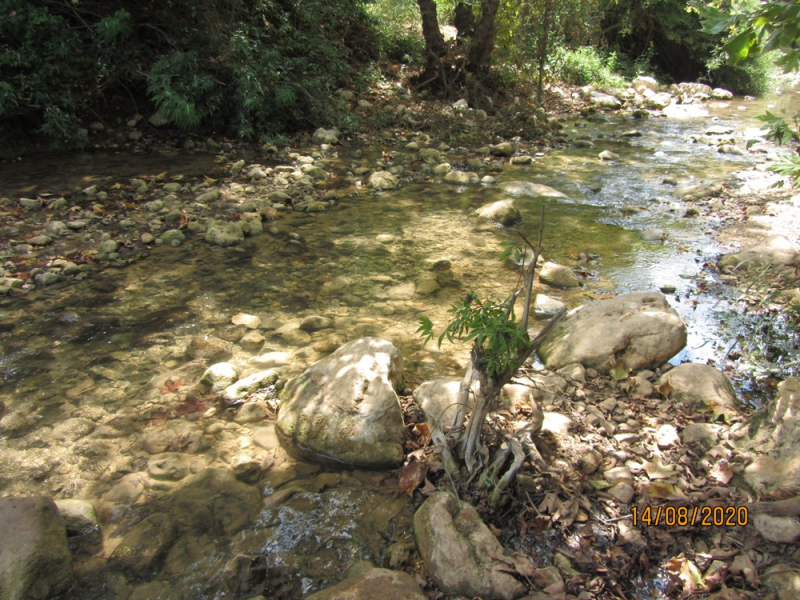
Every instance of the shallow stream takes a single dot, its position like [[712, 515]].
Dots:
[[96, 373]]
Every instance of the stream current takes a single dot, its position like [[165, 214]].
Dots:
[[96, 372]]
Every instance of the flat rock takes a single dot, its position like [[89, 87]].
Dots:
[[527, 189], [637, 331], [457, 549], [776, 251], [344, 410], [701, 386], [35, 561]]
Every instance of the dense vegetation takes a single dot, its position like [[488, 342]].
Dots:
[[261, 68]]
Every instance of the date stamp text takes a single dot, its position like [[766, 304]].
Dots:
[[690, 516]]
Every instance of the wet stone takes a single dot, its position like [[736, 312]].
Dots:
[[144, 546], [172, 466]]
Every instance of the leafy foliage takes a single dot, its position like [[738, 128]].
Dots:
[[244, 68], [497, 338]]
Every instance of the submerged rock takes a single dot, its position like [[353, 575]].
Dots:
[[634, 331], [459, 550], [343, 409], [222, 233], [531, 190], [374, 583]]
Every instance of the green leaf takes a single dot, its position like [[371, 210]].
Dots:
[[739, 47]]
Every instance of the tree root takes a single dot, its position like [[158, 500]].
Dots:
[[508, 477]]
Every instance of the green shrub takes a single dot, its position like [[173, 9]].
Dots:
[[585, 66], [754, 76]]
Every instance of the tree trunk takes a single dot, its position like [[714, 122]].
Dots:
[[434, 41], [542, 51], [483, 42]]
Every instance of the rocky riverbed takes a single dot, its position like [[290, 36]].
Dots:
[[150, 323]]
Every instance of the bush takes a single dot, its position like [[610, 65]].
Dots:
[[754, 76], [243, 68], [585, 66]]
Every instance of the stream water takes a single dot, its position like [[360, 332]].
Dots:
[[96, 374]]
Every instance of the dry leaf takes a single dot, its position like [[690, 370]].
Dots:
[[742, 565], [722, 471], [412, 476], [666, 491], [171, 385], [427, 489], [655, 469], [665, 389], [688, 573]]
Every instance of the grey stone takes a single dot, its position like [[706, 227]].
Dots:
[[776, 251], [503, 212], [461, 177], [343, 409], [222, 233], [531, 190], [459, 550], [502, 149], [249, 385], [382, 180], [558, 276], [637, 331]]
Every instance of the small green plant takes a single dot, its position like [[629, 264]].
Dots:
[[492, 326]]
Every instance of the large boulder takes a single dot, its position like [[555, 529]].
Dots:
[[374, 583], [344, 409], [459, 550], [35, 561], [634, 331], [776, 252]]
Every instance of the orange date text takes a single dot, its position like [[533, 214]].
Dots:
[[690, 516]]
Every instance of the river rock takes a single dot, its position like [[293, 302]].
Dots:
[[721, 94], [608, 155], [382, 180], [35, 561], [208, 347], [430, 155], [781, 530], [458, 550], [344, 408], [638, 331], [545, 307], [251, 384], [604, 100], [144, 546], [657, 100], [438, 399], [701, 386], [374, 583], [249, 321], [442, 169], [273, 359], [503, 212], [558, 276], [776, 251], [171, 466], [315, 323], [531, 190], [326, 136], [80, 517], [222, 233], [642, 83], [502, 149], [214, 502], [461, 177]]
